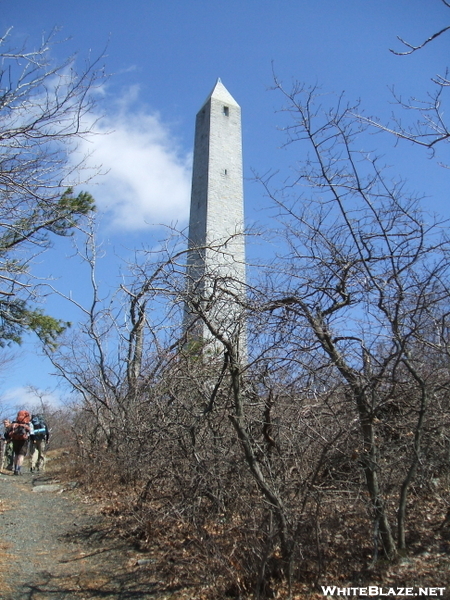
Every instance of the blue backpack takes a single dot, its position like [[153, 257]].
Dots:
[[40, 428]]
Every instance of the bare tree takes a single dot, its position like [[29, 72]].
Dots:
[[286, 438], [44, 110], [121, 346], [430, 128], [363, 276]]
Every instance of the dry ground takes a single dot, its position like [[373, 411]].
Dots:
[[56, 545]]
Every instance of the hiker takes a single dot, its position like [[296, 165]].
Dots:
[[19, 433], [7, 449], [38, 443]]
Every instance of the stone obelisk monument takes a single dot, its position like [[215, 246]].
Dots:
[[216, 258]]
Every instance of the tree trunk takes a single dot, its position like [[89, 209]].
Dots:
[[267, 490], [370, 465], [401, 520]]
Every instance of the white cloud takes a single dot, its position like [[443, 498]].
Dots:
[[147, 180], [20, 397]]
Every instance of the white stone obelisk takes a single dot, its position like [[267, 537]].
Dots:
[[216, 258]]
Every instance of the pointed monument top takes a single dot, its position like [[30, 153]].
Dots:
[[220, 92]]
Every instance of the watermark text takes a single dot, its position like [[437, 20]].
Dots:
[[381, 592]]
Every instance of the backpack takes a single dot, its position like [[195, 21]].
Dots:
[[23, 416], [19, 431], [40, 428]]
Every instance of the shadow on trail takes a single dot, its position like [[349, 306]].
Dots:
[[114, 587], [97, 566]]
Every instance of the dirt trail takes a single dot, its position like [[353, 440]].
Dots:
[[55, 547]]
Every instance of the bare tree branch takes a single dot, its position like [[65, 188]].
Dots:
[[423, 44]]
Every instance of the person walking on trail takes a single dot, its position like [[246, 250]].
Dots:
[[7, 449], [19, 433], [38, 443]]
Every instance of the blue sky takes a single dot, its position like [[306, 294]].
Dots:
[[164, 58]]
